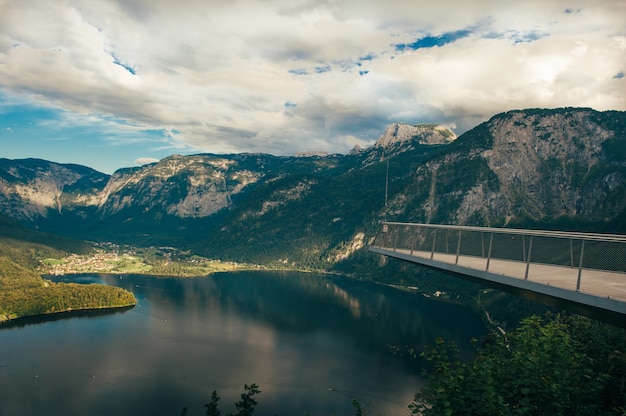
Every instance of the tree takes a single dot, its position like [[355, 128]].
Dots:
[[543, 368], [358, 410], [247, 403], [211, 407]]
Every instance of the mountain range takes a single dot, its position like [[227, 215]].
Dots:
[[560, 168]]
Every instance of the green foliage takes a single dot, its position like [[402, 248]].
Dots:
[[24, 293], [358, 410], [25, 253], [616, 149], [553, 367], [453, 180], [212, 408], [46, 297], [477, 138], [247, 403], [11, 232], [245, 406], [300, 219]]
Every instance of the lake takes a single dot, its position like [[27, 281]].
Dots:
[[312, 343]]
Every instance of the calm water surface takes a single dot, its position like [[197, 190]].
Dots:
[[295, 335]]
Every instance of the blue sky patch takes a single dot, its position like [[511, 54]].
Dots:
[[102, 143], [529, 36], [322, 69], [116, 61], [298, 71], [432, 41]]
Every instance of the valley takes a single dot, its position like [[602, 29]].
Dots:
[[109, 258], [121, 242], [562, 169]]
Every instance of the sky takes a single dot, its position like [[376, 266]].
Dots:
[[118, 83]]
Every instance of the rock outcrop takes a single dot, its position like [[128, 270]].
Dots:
[[402, 133], [29, 188], [184, 186], [538, 164]]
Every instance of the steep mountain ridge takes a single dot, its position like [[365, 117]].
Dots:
[[401, 133], [402, 137], [537, 164], [524, 167], [562, 150], [562, 168], [184, 186], [29, 188], [194, 186]]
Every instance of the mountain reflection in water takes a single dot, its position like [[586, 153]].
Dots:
[[311, 342]]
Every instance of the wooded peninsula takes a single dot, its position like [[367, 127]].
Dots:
[[23, 291]]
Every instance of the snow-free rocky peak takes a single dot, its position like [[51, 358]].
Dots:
[[398, 133]]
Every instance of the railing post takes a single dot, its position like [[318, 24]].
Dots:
[[395, 242], [432, 252], [458, 248], [482, 244], [571, 252], [524, 247], [580, 265], [414, 239], [383, 230], [489, 253], [530, 249]]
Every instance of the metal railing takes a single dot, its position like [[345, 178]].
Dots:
[[574, 250]]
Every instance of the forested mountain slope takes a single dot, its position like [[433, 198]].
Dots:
[[563, 168], [559, 168]]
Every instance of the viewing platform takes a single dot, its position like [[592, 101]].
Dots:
[[582, 272]]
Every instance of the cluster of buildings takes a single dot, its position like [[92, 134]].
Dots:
[[100, 261]]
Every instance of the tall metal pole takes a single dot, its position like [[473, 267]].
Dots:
[[386, 190]]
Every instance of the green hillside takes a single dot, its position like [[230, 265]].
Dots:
[[305, 219], [11, 229], [24, 293]]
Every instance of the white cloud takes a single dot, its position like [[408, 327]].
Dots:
[[218, 74], [145, 160]]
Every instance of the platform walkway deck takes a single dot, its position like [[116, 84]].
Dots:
[[592, 282]]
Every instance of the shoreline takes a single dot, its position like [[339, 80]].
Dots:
[[66, 313], [407, 289]]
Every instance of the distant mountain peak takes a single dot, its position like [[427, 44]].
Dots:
[[312, 153], [398, 133]]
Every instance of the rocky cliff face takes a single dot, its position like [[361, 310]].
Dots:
[[402, 133], [29, 188], [536, 165], [184, 186], [401, 137]]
